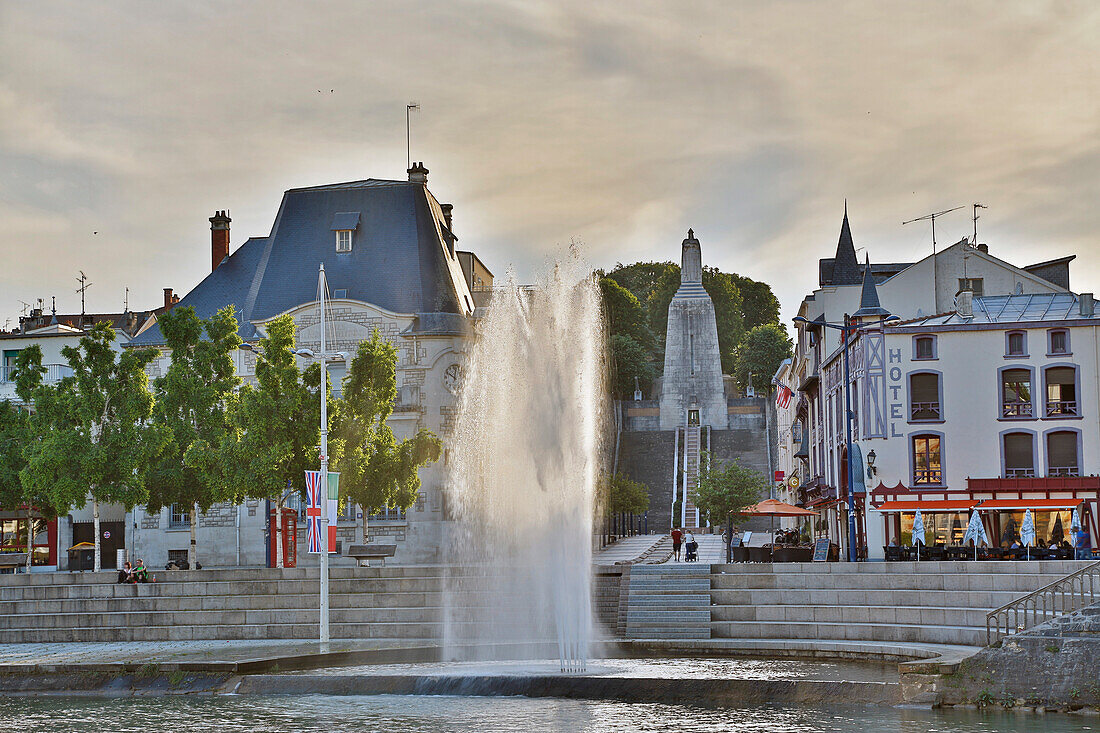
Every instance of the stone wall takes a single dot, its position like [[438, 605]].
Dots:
[[647, 457], [1054, 665]]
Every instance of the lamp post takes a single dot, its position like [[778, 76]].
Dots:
[[323, 357], [844, 329]]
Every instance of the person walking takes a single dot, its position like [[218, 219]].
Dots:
[[677, 538], [1084, 544]]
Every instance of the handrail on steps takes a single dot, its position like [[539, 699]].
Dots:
[[1065, 595]]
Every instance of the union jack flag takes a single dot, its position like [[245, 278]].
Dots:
[[313, 510]]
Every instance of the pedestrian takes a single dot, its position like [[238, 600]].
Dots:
[[126, 574], [677, 538], [141, 575], [1084, 544]]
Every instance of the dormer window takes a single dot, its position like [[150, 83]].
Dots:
[[343, 240], [344, 223], [1016, 343]]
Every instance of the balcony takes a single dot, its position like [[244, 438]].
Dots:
[[1019, 472], [54, 373], [928, 476], [925, 411], [1035, 483], [1062, 408], [1062, 471], [1017, 410]]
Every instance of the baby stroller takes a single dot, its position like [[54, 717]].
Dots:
[[692, 548]]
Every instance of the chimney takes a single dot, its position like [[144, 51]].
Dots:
[[964, 304], [447, 209], [219, 238], [418, 173], [169, 301], [983, 247], [1088, 304]]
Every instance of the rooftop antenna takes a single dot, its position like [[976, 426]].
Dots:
[[84, 285], [932, 218], [126, 301], [25, 305], [976, 217], [409, 108]]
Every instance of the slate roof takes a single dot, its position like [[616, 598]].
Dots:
[[399, 261], [1037, 307], [868, 302], [844, 268]]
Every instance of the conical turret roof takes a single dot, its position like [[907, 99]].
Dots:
[[868, 300]]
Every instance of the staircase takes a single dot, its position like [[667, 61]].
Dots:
[[668, 601], [692, 439]]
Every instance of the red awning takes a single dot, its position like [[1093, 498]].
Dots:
[[928, 507], [1043, 504]]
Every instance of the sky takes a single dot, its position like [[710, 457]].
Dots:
[[125, 125]]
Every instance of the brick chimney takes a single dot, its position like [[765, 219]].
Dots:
[[169, 299], [418, 173], [219, 238]]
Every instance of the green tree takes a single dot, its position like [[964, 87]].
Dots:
[[759, 304], [91, 431], [377, 470], [630, 360], [625, 313], [760, 353], [626, 496], [194, 400], [726, 487], [276, 425], [631, 340]]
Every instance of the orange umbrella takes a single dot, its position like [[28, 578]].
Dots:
[[776, 508]]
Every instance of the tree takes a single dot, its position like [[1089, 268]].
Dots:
[[759, 304], [626, 496], [276, 425], [726, 487], [194, 400], [629, 360], [91, 434], [760, 353], [631, 340], [376, 470]]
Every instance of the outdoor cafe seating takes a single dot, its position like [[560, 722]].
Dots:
[[782, 546], [960, 552]]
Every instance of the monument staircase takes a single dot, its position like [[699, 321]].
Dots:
[[692, 441]]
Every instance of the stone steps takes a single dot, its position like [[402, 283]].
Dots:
[[668, 602], [850, 631]]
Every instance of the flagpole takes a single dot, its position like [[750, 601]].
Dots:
[[324, 630]]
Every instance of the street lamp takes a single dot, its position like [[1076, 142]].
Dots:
[[845, 328]]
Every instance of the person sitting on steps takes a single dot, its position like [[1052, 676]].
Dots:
[[126, 574]]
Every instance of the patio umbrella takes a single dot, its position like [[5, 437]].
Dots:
[[975, 531], [1058, 533], [774, 508], [1027, 532], [1074, 528], [918, 537]]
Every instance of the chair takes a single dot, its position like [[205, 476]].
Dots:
[[892, 553]]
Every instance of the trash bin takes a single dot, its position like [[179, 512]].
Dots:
[[82, 556]]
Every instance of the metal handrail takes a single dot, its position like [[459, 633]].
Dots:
[[1065, 595]]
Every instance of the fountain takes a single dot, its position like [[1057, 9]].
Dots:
[[523, 471]]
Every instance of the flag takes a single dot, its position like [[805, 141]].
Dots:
[[783, 396], [333, 508], [313, 510]]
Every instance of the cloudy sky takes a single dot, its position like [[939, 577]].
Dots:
[[123, 126]]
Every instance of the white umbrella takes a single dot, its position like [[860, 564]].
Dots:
[[1074, 528], [975, 531], [918, 532], [1027, 532]]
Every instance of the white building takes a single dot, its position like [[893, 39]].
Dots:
[[908, 291]]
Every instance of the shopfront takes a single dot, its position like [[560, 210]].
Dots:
[[944, 521], [1053, 519], [13, 537]]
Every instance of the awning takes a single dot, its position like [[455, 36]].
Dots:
[[927, 507], [1040, 504]]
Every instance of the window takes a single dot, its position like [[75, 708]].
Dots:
[[924, 397], [1059, 342], [927, 463], [975, 285], [1016, 393], [340, 293], [1019, 455], [1062, 454], [693, 417], [179, 516], [1016, 343], [8, 365], [924, 347], [1061, 392], [343, 240], [388, 514]]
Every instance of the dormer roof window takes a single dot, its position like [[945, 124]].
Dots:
[[344, 223]]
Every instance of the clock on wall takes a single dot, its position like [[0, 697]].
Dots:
[[452, 376]]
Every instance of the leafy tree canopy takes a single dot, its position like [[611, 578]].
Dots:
[[760, 353], [626, 496], [377, 470], [726, 487]]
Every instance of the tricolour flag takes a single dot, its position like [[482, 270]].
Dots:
[[783, 396], [313, 509]]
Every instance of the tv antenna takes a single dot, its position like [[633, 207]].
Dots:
[[976, 217], [932, 217], [25, 305], [126, 301], [409, 108], [84, 285]]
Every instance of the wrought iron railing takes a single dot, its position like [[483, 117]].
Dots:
[[1065, 595], [53, 373], [1017, 409], [1019, 473], [1063, 471], [925, 411], [928, 476]]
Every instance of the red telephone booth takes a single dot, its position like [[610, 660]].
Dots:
[[290, 539]]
